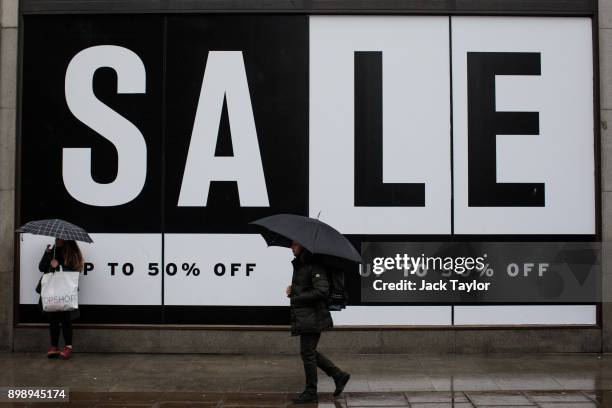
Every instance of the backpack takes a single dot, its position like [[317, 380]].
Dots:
[[338, 297]]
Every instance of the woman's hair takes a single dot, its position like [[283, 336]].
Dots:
[[73, 258]]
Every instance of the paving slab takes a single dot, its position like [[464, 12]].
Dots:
[[498, 398]]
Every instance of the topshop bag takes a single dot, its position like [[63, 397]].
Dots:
[[60, 291]]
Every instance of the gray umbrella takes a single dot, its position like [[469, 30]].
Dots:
[[56, 228], [314, 235]]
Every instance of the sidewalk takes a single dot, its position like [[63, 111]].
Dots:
[[563, 380]]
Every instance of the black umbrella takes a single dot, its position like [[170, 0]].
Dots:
[[56, 228], [314, 235]]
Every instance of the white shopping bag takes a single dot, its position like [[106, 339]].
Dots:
[[60, 291]]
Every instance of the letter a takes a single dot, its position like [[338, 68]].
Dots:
[[225, 76]]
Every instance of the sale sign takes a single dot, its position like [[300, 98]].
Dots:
[[164, 136]]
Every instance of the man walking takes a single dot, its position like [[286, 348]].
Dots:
[[309, 317]]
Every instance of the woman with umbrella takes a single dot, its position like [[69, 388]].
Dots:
[[311, 242], [64, 255]]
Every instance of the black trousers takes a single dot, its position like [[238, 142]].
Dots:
[[313, 359], [54, 329]]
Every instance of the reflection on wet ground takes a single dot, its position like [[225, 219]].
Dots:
[[176, 380]]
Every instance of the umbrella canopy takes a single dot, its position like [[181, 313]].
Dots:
[[56, 228], [314, 235]]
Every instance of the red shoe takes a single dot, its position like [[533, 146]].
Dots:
[[66, 353], [53, 352]]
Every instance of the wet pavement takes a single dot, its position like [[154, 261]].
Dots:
[[474, 399], [176, 380]]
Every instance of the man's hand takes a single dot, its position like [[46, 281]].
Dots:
[[54, 263], [288, 291]]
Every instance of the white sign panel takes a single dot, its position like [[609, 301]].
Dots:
[[119, 269], [225, 269], [414, 92], [541, 69]]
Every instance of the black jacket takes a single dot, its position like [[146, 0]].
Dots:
[[309, 291], [45, 267]]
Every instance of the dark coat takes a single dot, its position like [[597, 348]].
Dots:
[[45, 267], [309, 291]]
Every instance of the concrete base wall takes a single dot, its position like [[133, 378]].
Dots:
[[415, 341]]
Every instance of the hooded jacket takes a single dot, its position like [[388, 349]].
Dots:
[[309, 291]]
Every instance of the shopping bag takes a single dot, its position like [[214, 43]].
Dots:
[[60, 291]]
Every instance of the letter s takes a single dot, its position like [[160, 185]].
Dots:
[[127, 139]]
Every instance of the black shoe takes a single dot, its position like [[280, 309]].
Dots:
[[340, 380], [306, 398]]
